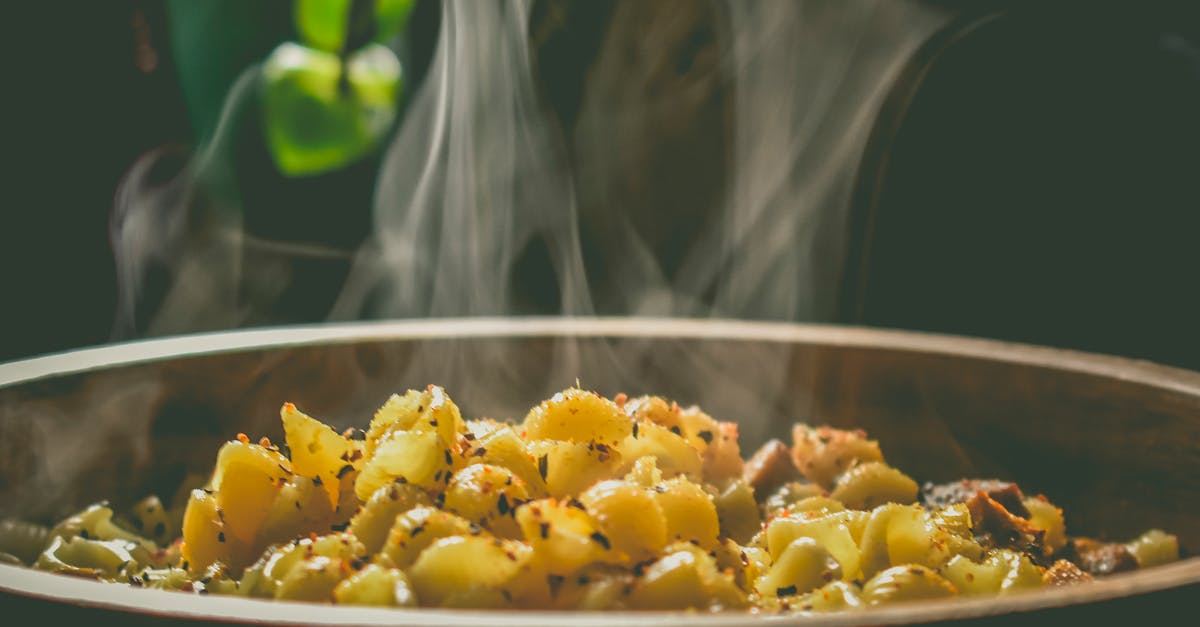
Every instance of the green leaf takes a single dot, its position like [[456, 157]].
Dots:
[[391, 18], [313, 119], [322, 23]]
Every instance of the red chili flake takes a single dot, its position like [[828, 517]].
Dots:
[[620, 399], [243, 438]]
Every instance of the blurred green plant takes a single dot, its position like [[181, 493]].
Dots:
[[323, 24], [333, 98]]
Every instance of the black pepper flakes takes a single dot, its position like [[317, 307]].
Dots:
[[317, 481], [601, 539], [479, 452], [446, 454], [635, 430], [676, 430], [544, 530], [416, 531], [344, 470], [220, 536], [555, 582], [706, 435], [785, 592], [543, 466], [502, 504]]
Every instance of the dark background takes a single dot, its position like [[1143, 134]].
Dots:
[[1034, 176]]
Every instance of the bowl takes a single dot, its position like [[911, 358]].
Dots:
[[1115, 442]]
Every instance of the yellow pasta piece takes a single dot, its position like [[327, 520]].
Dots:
[[562, 535], [1154, 548], [417, 457], [317, 451], [832, 531], [503, 447], [822, 454], [416, 529], [374, 521], [572, 467], [673, 453], [737, 512], [906, 583], [689, 512], [376, 585], [578, 416], [1045, 516], [870, 484], [428, 410], [466, 571], [247, 477], [802, 566], [629, 521], [488, 496]]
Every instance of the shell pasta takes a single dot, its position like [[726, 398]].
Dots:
[[588, 503]]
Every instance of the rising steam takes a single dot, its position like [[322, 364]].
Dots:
[[481, 172]]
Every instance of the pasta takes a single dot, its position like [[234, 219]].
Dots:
[[589, 503]]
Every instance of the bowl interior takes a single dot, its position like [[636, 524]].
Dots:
[[1114, 442]]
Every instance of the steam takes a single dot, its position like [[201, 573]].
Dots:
[[481, 173]]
